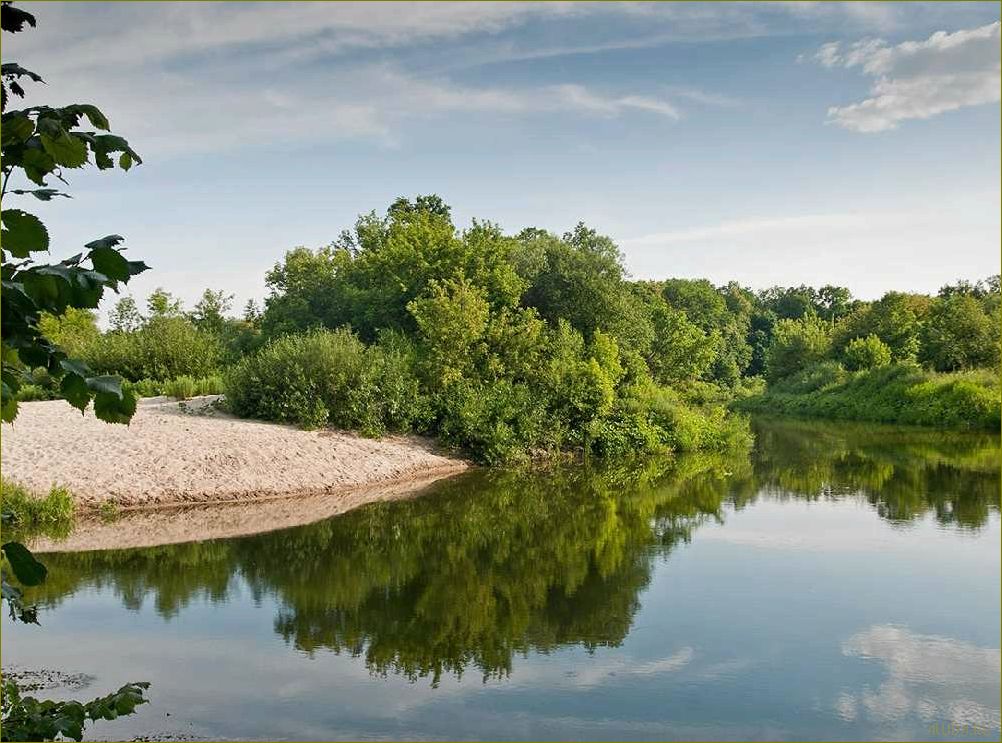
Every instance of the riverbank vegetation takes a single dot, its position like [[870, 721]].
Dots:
[[27, 513], [515, 346]]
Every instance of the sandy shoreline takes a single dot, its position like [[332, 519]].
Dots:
[[172, 455]]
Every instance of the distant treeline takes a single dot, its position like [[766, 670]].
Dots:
[[513, 345]]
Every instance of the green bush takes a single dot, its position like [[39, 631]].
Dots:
[[27, 513], [164, 348], [32, 392], [897, 393], [327, 378], [866, 353]]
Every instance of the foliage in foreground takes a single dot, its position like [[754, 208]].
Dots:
[[897, 393], [40, 142], [26, 718]]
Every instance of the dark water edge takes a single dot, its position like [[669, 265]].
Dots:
[[840, 581]]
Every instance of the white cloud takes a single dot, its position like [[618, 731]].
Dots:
[[918, 79], [939, 679]]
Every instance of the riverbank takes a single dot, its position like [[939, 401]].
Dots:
[[175, 454], [899, 393]]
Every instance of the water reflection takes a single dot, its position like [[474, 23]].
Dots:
[[499, 563], [939, 679]]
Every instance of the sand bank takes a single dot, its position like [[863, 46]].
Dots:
[[191, 453]]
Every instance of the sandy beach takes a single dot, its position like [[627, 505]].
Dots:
[[192, 453]]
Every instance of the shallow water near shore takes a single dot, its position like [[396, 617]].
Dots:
[[840, 581]]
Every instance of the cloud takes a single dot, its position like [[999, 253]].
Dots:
[[939, 679], [917, 79]]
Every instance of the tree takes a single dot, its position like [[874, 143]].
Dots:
[[74, 331], [681, 351], [866, 353], [797, 344], [161, 303], [210, 311], [580, 278], [959, 334], [252, 313], [125, 316], [894, 319]]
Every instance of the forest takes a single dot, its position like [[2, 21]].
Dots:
[[514, 347]]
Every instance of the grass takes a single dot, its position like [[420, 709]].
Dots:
[[182, 388], [898, 393], [26, 513]]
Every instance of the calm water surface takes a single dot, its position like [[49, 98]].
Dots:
[[837, 582]]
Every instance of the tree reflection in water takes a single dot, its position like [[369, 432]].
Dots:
[[494, 564]]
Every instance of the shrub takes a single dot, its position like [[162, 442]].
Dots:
[[327, 378], [866, 353], [32, 392], [164, 348], [896, 393]]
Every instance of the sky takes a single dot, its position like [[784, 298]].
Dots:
[[773, 144]]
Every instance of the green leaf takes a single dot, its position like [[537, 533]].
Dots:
[[26, 568], [106, 383], [74, 389], [8, 409], [22, 233], [17, 129], [37, 164], [109, 241], [65, 150], [110, 262], [74, 366], [114, 409], [92, 113], [125, 161], [42, 194]]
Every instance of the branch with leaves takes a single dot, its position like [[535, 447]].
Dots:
[[39, 143]]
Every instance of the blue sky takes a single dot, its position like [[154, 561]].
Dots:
[[785, 143]]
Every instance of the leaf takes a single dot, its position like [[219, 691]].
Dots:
[[106, 383], [13, 19], [110, 262], [109, 241], [65, 150], [125, 161], [42, 194], [114, 409], [26, 568], [92, 113], [75, 366], [22, 233], [14, 69], [37, 164], [17, 128], [74, 389]]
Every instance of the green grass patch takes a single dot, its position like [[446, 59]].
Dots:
[[26, 513]]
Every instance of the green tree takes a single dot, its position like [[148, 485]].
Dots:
[[894, 319], [796, 345], [866, 353], [161, 303], [210, 310], [125, 316], [74, 331], [958, 334]]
